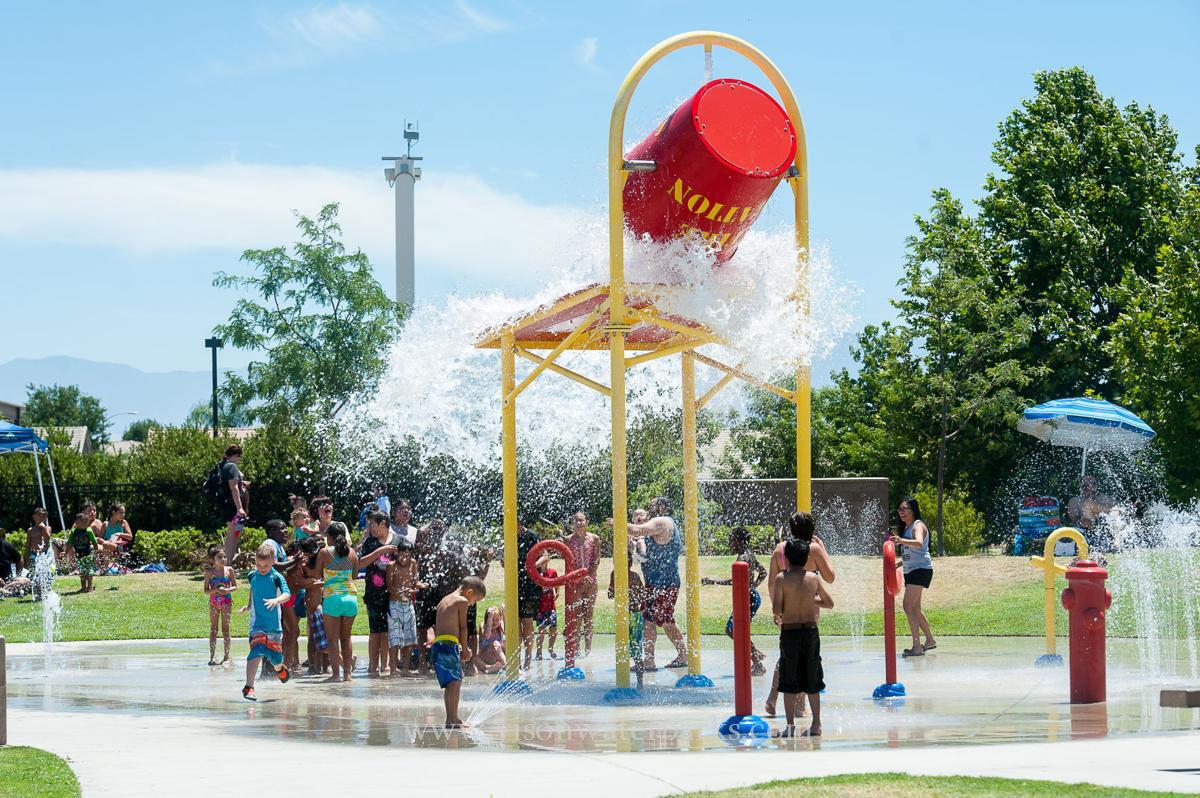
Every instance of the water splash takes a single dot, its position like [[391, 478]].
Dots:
[[1152, 578], [44, 568]]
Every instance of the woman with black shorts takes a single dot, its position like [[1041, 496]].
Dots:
[[918, 573]]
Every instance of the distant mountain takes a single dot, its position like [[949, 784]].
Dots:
[[163, 395]]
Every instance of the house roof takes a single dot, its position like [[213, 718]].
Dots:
[[80, 441]]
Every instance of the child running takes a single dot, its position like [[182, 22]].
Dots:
[[798, 597], [219, 583], [739, 542], [338, 563], [447, 652], [267, 592], [402, 621]]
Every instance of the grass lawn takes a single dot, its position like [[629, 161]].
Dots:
[[969, 596], [886, 785], [34, 773]]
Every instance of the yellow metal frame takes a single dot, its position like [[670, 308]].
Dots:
[[686, 339], [1051, 569]]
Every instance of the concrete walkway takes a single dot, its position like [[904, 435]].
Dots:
[[116, 754]]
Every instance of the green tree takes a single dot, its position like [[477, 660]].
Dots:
[[1156, 346], [319, 315], [228, 414], [964, 333], [140, 429], [1082, 202], [66, 406]]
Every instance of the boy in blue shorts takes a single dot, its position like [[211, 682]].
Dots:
[[447, 651], [739, 542], [268, 591]]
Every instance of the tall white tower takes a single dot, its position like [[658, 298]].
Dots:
[[403, 175]]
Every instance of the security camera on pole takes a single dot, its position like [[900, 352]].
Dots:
[[403, 175]]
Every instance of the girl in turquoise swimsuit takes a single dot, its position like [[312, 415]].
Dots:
[[338, 563]]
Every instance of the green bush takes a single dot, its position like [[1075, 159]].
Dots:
[[187, 549], [17, 539], [962, 524]]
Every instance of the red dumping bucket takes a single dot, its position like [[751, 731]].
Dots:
[[719, 156]]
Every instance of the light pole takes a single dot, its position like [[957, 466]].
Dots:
[[214, 344], [117, 415]]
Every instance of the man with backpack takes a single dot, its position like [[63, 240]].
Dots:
[[229, 494]]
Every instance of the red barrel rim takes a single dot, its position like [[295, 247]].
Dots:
[[743, 146]]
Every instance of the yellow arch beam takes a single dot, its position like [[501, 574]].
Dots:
[[620, 317]]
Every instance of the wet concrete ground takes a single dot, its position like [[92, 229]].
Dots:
[[968, 691]]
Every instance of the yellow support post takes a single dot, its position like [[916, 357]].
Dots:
[[508, 425], [620, 314], [620, 514], [691, 514], [803, 442], [1050, 569]]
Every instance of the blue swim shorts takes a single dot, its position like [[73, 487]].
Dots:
[[447, 659], [755, 603]]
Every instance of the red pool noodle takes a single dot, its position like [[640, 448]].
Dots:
[[566, 580]]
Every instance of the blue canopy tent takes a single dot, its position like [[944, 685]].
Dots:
[[23, 440]]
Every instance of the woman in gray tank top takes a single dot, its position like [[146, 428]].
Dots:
[[913, 547]]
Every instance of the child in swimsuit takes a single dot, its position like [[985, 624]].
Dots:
[[739, 542], [268, 591], [447, 652], [547, 618], [219, 583], [491, 642]]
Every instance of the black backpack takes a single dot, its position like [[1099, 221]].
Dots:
[[215, 489]]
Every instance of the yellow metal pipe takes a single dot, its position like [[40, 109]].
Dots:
[[616, 266], [1050, 569], [563, 346], [743, 375], [691, 513], [713, 391], [803, 441], [667, 324], [616, 344], [508, 425], [557, 369], [668, 348]]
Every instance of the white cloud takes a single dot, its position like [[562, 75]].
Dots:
[[464, 225], [329, 29], [320, 33], [585, 52]]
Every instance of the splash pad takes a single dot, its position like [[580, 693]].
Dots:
[[736, 143]]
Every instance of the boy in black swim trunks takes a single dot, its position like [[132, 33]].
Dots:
[[798, 598], [447, 651]]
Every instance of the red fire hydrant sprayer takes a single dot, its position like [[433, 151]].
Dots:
[[1085, 601], [567, 579]]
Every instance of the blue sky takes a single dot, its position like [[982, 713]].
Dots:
[[146, 145]]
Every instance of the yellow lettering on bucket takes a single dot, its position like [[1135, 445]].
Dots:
[[695, 207]]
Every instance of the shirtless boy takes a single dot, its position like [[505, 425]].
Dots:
[[37, 538], [798, 598], [447, 651]]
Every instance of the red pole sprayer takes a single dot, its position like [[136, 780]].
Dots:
[[1085, 601], [567, 580], [891, 588], [742, 725]]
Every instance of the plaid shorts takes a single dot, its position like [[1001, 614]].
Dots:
[[316, 628]]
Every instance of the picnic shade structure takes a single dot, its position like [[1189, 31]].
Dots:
[[1087, 424], [23, 440]]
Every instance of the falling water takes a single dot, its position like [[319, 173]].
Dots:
[[44, 568], [1153, 579], [853, 531]]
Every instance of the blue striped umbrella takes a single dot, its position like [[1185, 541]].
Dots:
[[1087, 424]]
